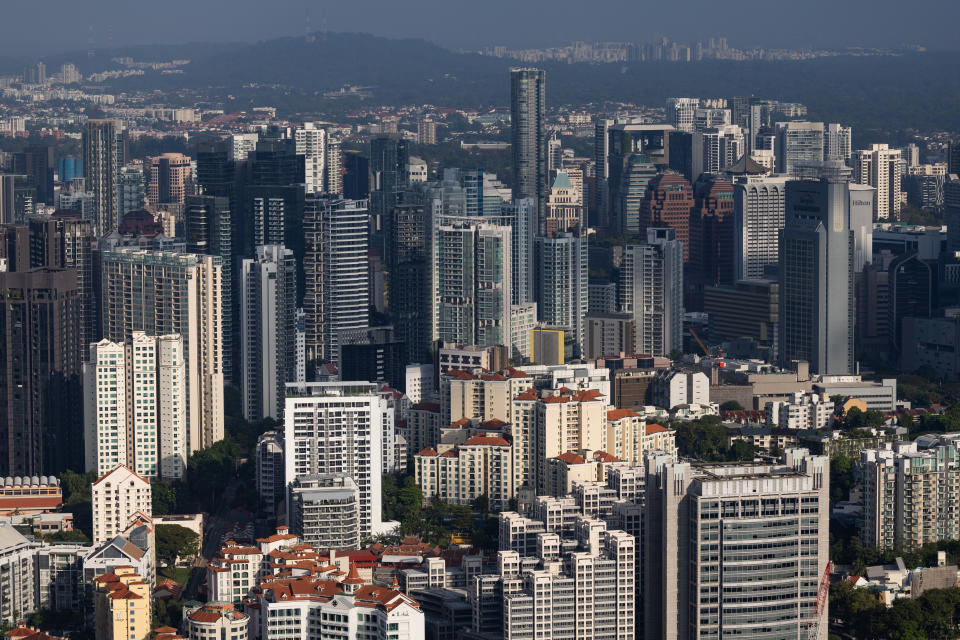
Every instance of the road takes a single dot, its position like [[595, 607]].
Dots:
[[215, 527]]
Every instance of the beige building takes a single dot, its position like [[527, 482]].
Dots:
[[481, 466], [629, 436], [480, 396], [170, 179], [160, 293], [119, 498], [122, 606], [564, 207], [217, 621], [879, 167]]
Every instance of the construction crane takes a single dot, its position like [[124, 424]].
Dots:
[[718, 362], [813, 625]]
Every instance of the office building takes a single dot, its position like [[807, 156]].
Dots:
[[104, 152], [701, 549], [162, 293], [562, 276], [122, 605], [816, 277], [564, 208], [668, 203], [171, 179], [131, 189], [879, 167], [208, 228], [758, 217], [909, 495], [798, 144], [528, 138], [636, 175], [746, 309], [64, 240], [651, 290], [337, 279], [135, 406], [837, 142], [410, 294], [680, 113], [472, 273], [714, 149], [389, 160], [119, 497], [326, 510], [923, 185], [338, 428], [37, 163], [40, 358], [711, 236], [311, 143], [268, 290]]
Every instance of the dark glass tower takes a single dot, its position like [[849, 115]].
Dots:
[[528, 141]]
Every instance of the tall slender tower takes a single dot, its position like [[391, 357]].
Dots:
[[528, 138], [651, 289], [103, 155]]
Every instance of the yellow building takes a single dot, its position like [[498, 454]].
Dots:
[[122, 604], [480, 466], [480, 396]]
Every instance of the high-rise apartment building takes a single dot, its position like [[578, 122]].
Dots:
[[333, 167], [208, 228], [472, 274], [336, 266], [528, 138], [734, 550], [909, 495], [162, 293], [64, 240], [879, 167], [311, 144], [389, 178], [837, 142], [758, 216], [131, 189], [119, 497], [426, 131], [715, 148], [562, 278], [268, 289], [171, 179], [122, 605], [40, 358], [816, 276], [135, 406], [668, 203], [338, 428], [651, 289], [104, 152], [798, 144], [680, 112]]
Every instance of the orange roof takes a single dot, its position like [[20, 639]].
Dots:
[[354, 576], [493, 377], [495, 423], [655, 428], [429, 451], [486, 440], [619, 414], [570, 458], [460, 374], [119, 466], [516, 373], [450, 453], [277, 537], [462, 423], [529, 394], [603, 456]]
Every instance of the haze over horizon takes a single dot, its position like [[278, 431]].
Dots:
[[64, 26]]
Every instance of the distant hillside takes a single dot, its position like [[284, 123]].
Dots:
[[879, 96]]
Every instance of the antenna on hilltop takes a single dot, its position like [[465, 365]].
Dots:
[[90, 49], [308, 35]]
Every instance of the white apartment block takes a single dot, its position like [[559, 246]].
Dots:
[[671, 389], [326, 511], [418, 382], [135, 406], [119, 497], [334, 427], [802, 411], [311, 144], [879, 167]]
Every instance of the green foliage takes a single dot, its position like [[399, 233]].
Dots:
[[401, 500], [165, 497], [841, 477], [741, 450], [77, 500], [174, 540], [861, 614], [67, 536], [703, 439], [731, 405], [857, 419]]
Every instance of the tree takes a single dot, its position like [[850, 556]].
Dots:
[[164, 496], [704, 439], [174, 541], [741, 450], [731, 405]]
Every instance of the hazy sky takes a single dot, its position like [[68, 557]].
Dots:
[[46, 26]]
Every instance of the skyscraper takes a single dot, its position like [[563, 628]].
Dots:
[[161, 293], [711, 238], [837, 142], [65, 241], [816, 276], [37, 162], [311, 144], [131, 189], [268, 290], [336, 235], [472, 274], [40, 356], [135, 406], [714, 149], [389, 158], [562, 277], [668, 203], [651, 289], [104, 152], [703, 552], [207, 222], [798, 144], [635, 177], [879, 167], [758, 218], [410, 270], [680, 113], [338, 428], [528, 138], [171, 179]]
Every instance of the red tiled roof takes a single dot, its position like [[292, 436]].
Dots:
[[495, 423], [619, 414], [486, 441], [460, 374], [655, 428], [570, 458], [429, 451], [603, 456]]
